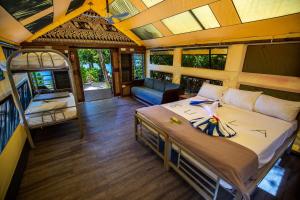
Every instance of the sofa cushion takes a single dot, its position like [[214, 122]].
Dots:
[[158, 85], [149, 95], [148, 82], [171, 86]]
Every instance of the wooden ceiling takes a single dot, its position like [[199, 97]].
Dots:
[[87, 28], [27, 20]]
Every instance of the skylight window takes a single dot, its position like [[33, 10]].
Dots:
[[253, 10], [182, 23], [147, 32], [150, 3], [206, 17], [122, 6]]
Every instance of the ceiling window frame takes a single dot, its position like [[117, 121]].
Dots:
[[198, 20]]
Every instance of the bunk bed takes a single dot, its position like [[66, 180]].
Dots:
[[197, 158], [46, 107]]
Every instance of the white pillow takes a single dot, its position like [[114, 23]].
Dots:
[[46, 107], [279, 108], [211, 91], [241, 98]]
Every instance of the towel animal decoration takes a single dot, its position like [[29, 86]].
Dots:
[[212, 125]]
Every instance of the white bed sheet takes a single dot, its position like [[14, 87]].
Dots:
[[35, 120], [245, 123]]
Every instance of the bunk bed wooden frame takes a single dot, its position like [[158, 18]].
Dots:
[[153, 136], [11, 70]]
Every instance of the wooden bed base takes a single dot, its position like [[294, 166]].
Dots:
[[203, 177]]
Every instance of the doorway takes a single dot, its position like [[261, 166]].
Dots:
[[96, 73]]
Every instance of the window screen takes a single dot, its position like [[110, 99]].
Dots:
[[253, 10], [163, 57], [138, 66], [161, 75], [9, 120], [193, 84], [147, 32], [210, 58], [122, 6], [43, 80], [24, 94]]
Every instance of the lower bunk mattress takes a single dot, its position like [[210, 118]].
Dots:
[[60, 114]]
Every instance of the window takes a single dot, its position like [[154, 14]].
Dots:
[[24, 94], [193, 20], [147, 32], [150, 3], [253, 10], [161, 75], [122, 6], [211, 58], [43, 80], [193, 84], [9, 120], [162, 57], [182, 23], [206, 17], [138, 66]]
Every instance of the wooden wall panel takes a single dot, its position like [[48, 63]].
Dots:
[[73, 56], [115, 56]]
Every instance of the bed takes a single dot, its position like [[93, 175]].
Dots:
[[245, 158], [38, 119], [44, 110]]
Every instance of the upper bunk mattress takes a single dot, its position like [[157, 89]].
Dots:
[[37, 119], [260, 133], [38, 61]]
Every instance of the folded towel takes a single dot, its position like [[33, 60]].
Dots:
[[213, 127], [212, 124]]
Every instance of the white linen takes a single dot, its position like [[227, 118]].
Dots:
[[279, 108], [211, 91], [251, 127], [45, 106], [240, 98], [35, 120]]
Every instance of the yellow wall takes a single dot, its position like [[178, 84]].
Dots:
[[229, 76], [232, 76], [9, 157]]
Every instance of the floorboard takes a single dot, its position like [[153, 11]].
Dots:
[[109, 164]]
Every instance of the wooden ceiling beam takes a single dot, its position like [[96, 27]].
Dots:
[[60, 8]]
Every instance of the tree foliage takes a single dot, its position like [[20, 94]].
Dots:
[[90, 57]]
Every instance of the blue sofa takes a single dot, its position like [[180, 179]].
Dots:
[[155, 92]]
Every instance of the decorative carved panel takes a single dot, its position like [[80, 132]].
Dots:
[[89, 27]]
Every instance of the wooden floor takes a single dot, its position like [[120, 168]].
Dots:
[[109, 164]]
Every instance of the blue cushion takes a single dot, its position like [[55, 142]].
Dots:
[[149, 95], [171, 86], [159, 85], [148, 82]]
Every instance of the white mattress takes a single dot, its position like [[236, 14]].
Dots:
[[20, 61], [245, 123], [36, 120]]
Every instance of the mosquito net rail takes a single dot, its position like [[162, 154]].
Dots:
[[29, 60]]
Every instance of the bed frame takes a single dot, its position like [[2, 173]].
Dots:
[[203, 177], [26, 69]]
